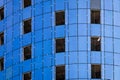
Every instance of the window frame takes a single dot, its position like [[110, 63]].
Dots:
[[24, 59], [100, 72], [93, 16], [93, 48], [2, 12], [1, 36], [23, 26], [62, 45], [62, 72], [27, 73], [57, 12], [2, 62], [23, 4]]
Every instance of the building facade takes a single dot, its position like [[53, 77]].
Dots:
[[59, 39]]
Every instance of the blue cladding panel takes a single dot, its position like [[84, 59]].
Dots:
[[60, 59], [83, 73], [47, 33], [82, 4], [9, 37], [95, 57], [82, 57], [38, 63], [73, 58], [47, 45], [27, 13], [73, 69], [73, 15], [73, 43], [47, 61], [47, 8], [38, 9], [38, 49], [109, 58], [38, 22], [16, 17], [73, 30], [10, 10], [38, 35], [95, 30], [47, 74], [26, 68], [72, 4], [9, 21], [59, 4], [82, 17], [38, 74], [47, 20], [82, 29], [60, 31], [1, 2], [82, 43], [16, 5], [27, 39]]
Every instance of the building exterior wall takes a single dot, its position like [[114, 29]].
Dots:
[[77, 32]]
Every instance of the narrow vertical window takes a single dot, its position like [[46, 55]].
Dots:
[[96, 71], [27, 76], [95, 16], [59, 18], [2, 38], [60, 45], [27, 52], [2, 13], [1, 64], [26, 26], [26, 3], [60, 73], [95, 44]]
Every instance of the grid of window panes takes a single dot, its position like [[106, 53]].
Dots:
[[60, 35]]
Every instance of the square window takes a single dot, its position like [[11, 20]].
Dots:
[[26, 3], [60, 45], [60, 72], [2, 38], [1, 64], [95, 44], [2, 13], [96, 71], [26, 26], [27, 52], [95, 16], [27, 76], [59, 18]]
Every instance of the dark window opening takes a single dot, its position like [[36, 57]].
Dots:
[[27, 76], [1, 38], [60, 45], [26, 3], [60, 18], [60, 73], [96, 71], [1, 13], [95, 16], [27, 52], [1, 64], [95, 44], [27, 26]]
